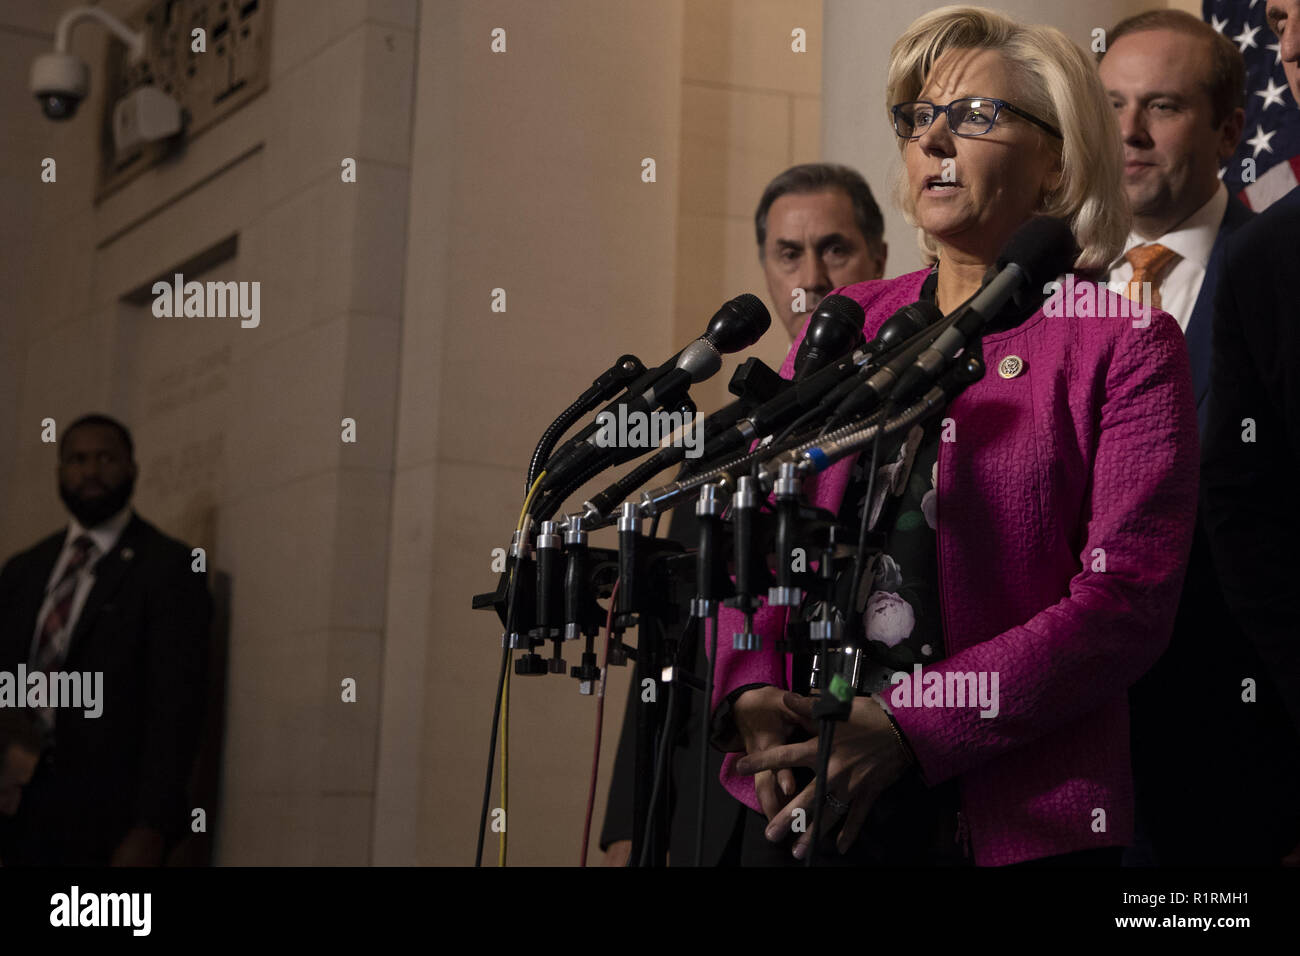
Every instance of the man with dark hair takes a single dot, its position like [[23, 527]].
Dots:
[[113, 598], [1178, 90], [1251, 455], [818, 228]]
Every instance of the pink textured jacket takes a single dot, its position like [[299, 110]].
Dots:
[[1065, 512]]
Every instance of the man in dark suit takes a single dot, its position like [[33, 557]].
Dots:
[[1251, 453], [112, 596], [1199, 752]]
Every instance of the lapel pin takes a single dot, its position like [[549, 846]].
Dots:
[[1011, 366], [127, 554]]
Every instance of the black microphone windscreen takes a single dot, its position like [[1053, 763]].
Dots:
[[833, 331], [846, 311], [905, 323], [1044, 247], [738, 324]]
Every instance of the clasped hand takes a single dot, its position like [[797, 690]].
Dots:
[[866, 757]]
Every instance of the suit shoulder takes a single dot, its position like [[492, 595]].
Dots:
[[1273, 231], [34, 553], [153, 542], [1236, 215]]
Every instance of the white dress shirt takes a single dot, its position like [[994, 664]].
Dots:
[[105, 536], [1193, 240]]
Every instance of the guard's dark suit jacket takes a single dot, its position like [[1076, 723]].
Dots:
[[144, 624], [1217, 780]]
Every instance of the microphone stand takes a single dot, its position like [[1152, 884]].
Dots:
[[835, 695], [537, 606], [835, 700], [649, 845], [710, 586]]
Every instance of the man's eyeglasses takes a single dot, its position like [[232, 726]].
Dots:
[[969, 116]]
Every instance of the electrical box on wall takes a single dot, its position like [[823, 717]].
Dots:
[[212, 56]]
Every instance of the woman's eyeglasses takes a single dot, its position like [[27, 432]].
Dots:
[[969, 116]]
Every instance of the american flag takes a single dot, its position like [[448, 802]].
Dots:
[[1271, 136]]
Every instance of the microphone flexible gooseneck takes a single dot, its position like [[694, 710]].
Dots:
[[737, 325]]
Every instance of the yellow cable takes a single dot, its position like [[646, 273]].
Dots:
[[505, 696], [528, 502]]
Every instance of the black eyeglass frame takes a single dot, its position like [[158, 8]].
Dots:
[[998, 106]]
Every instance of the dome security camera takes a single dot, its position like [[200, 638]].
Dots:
[[60, 79], [60, 82]]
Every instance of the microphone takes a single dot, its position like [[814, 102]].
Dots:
[[907, 329], [740, 323], [906, 333], [737, 325], [820, 454], [901, 326], [854, 383], [902, 335], [834, 316], [1037, 253], [834, 329], [601, 505]]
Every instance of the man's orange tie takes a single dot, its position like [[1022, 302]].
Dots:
[[1149, 264]]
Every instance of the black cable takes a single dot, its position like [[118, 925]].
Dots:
[[546, 504], [663, 748], [859, 559], [492, 749], [798, 423], [825, 736], [635, 478], [706, 714]]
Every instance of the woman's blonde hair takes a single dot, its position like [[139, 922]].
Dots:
[[1058, 84]]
